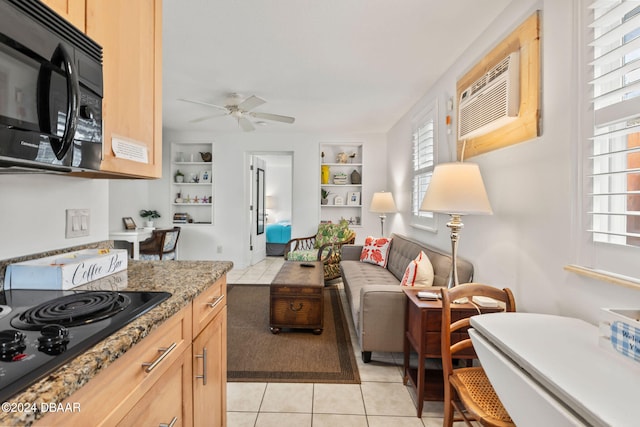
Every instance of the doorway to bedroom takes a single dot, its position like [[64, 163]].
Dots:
[[278, 205]]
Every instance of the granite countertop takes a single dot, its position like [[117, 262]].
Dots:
[[183, 279]]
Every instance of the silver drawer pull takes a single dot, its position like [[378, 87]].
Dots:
[[216, 302], [164, 353], [203, 356], [171, 424]]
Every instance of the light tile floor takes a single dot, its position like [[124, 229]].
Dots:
[[381, 400]]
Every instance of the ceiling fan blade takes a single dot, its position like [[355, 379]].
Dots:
[[251, 103], [245, 124], [274, 117], [201, 119], [219, 107]]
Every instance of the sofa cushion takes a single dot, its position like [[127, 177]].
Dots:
[[356, 275], [376, 250], [419, 272]]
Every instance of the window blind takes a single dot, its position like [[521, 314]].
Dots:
[[615, 143], [423, 164]]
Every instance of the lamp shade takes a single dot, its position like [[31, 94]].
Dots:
[[382, 202], [456, 188]]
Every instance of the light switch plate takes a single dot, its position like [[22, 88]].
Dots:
[[77, 223]]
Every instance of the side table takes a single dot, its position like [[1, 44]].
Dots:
[[422, 335]]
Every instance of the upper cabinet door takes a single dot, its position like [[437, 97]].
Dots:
[[130, 33], [71, 10]]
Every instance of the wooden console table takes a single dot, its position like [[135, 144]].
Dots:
[[422, 335]]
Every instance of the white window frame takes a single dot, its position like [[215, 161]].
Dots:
[[421, 173], [607, 254]]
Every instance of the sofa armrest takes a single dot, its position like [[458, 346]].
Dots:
[[382, 318], [351, 252]]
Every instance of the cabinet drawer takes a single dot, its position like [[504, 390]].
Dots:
[[208, 304], [167, 400], [107, 397]]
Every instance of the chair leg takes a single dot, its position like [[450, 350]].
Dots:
[[447, 420], [366, 356]]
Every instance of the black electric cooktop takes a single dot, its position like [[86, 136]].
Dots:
[[40, 330]]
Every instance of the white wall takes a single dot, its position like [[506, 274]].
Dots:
[[531, 185], [278, 185], [32, 212], [228, 238]]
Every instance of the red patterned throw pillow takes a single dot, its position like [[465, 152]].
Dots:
[[419, 272], [375, 250]]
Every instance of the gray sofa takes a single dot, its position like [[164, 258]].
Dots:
[[374, 294]]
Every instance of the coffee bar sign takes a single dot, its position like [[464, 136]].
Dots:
[[65, 271]]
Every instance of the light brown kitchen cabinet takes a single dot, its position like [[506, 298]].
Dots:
[[125, 389], [130, 33], [177, 374], [71, 10], [210, 356]]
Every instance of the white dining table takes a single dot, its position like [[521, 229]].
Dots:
[[132, 236]]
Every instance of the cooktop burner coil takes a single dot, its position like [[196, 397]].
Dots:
[[72, 310]]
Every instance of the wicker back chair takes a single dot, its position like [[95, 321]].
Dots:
[[468, 391]]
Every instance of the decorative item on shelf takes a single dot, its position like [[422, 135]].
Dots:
[[206, 156], [325, 171], [194, 178], [323, 196], [353, 198], [196, 200], [187, 199], [180, 218], [352, 156], [149, 216], [340, 178], [338, 201], [129, 223], [383, 204], [456, 189], [179, 198], [356, 178], [342, 158], [179, 176], [322, 156], [205, 177]]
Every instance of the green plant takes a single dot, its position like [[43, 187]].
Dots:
[[324, 193], [149, 214], [178, 173]]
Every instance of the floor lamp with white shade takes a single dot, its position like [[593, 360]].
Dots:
[[382, 203], [456, 189]]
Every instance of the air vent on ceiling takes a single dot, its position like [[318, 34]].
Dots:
[[491, 101]]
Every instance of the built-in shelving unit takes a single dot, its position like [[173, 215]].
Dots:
[[192, 196], [341, 176]]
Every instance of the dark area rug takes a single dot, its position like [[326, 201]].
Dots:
[[294, 355]]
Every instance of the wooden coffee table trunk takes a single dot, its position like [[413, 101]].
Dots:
[[296, 297]]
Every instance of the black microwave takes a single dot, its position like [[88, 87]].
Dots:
[[50, 92]]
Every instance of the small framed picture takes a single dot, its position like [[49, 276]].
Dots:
[[353, 198], [205, 177], [129, 223], [338, 201]]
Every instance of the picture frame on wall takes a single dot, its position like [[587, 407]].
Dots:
[[129, 223], [353, 198]]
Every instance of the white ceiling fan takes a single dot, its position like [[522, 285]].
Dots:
[[240, 110]]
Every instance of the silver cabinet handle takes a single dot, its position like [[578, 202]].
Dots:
[[203, 356], [148, 367], [216, 302], [171, 424]]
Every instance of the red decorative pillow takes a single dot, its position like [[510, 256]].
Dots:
[[419, 272], [375, 250]]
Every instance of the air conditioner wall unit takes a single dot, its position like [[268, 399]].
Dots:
[[492, 101]]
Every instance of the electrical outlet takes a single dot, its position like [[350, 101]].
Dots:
[[77, 223]]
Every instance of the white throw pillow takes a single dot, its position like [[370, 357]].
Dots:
[[419, 272]]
